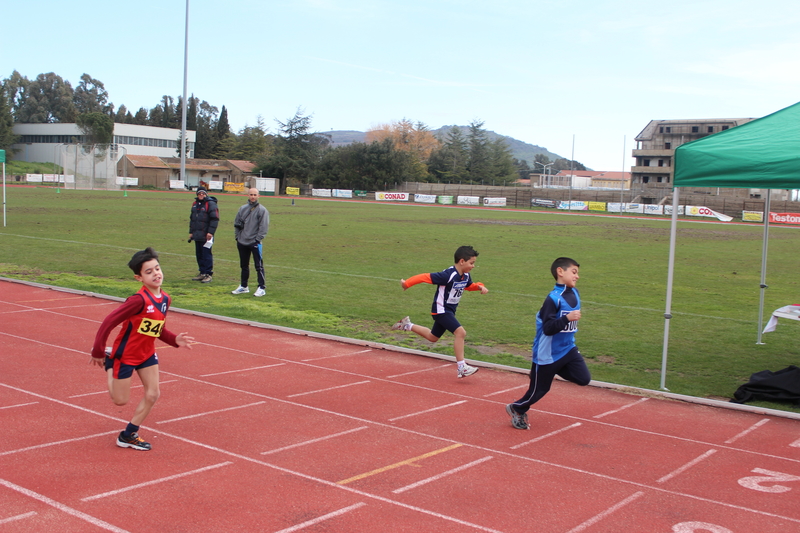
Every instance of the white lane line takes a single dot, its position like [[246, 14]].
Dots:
[[748, 430], [155, 481], [241, 370], [325, 390], [506, 390], [18, 517], [59, 442], [322, 518], [106, 391], [552, 433], [312, 441], [442, 475], [209, 413], [339, 355], [63, 508], [18, 405], [427, 410], [687, 466], [795, 444], [621, 408], [418, 371], [597, 518]]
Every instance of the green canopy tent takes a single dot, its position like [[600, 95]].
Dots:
[[761, 154]]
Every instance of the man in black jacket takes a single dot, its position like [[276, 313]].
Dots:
[[203, 223]]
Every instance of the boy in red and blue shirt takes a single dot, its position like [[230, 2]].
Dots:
[[142, 316], [451, 284]]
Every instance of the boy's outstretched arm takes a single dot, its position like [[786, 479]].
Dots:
[[478, 287], [413, 280]]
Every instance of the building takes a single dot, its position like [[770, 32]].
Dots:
[[43, 143], [158, 172], [583, 179], [655, 149]]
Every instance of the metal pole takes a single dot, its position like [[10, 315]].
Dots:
[[763, 284], [183, 113], [670, 273], [4, 191], [622, 177], [571, 171]]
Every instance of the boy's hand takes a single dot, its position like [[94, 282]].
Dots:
[[574, 315], [484, 290], [183, 339], [403, 284], [96, 361]]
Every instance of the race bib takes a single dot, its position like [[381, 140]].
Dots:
[[456, 292], [151, 328]]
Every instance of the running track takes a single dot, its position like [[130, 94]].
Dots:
[[270, 430]]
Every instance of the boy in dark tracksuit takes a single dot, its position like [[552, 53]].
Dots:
[[554, 349]]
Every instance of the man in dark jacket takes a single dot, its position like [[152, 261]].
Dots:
[[203, 223]]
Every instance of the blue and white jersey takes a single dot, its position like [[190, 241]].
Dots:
[[450, 286], [555, 335]]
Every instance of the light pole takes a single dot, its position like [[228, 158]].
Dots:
[[544, 169]]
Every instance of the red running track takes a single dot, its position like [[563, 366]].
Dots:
[[259, 429]]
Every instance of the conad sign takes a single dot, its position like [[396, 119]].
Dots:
[[392, 196]]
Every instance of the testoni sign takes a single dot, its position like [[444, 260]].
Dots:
[[784, 218], [494, 202], [392, 196]]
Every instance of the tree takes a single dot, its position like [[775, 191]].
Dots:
[[97, 127], [296, 150], [206, 140], [156, 116], [448, 164], [479, 166], [251, 143], [46, 99], [121, 113], [90, 96], [416, 139], [7, 137], [223, 128], [363, 166], [502, 164], [141, 117]]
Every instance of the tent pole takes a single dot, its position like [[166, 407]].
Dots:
[[670, 272], [763, 266]]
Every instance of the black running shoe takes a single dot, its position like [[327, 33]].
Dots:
[[132, 442]]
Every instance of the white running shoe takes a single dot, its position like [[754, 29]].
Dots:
[[260, 292], [467, 371], [240, 290], [404, 324]]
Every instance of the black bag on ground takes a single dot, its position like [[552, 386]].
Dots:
[[780, 386]]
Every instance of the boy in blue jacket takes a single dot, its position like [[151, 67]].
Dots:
[[554, 349]]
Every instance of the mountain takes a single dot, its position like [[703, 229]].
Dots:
[[519, 149]]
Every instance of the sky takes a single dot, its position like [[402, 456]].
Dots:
[[568, 75]]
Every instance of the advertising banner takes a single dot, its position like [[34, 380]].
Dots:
[[324, 193], [294, 191], [128, 182], [784, 218], [494, 202], [633, 208], [234, 187], [176, 184], [469, 200], [392, 196], [446, 200], [753, 216], [216, 185], [360, 194], [342, 193], [653, 209], [702, 211], [425, 198], [597, 206], [668, 210], [33, 178], [574, 205], [540, 202]]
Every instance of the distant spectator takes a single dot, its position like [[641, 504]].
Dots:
[[250, 227], [203, 223]]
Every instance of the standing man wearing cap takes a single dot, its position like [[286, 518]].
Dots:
[[203, 223]]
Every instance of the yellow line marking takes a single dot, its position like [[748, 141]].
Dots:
[[397, 465]]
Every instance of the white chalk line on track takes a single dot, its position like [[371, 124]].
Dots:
[[547, 436], [444, 474], [196, 415], [687, 466], [17, 517], [313, 441], [322, 518], [96, 393], [428, 410], [610, 510], [240, 370], [349, 354], [637, 402], [380, 278], [747, 431], [155, 481], [18, 405], [438, 367], [327, 389], [63, 508]]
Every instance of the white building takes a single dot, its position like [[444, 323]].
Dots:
[[40, 143]]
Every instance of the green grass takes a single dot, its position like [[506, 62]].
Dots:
[[334, 267]]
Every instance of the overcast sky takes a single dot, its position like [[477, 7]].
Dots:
[[543, 72]]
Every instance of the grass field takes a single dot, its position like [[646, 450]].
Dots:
[[334, 267]]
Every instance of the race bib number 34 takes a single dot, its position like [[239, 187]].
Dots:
[[151, 328]]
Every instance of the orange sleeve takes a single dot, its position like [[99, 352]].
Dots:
[[475, 286], [419, 278]]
